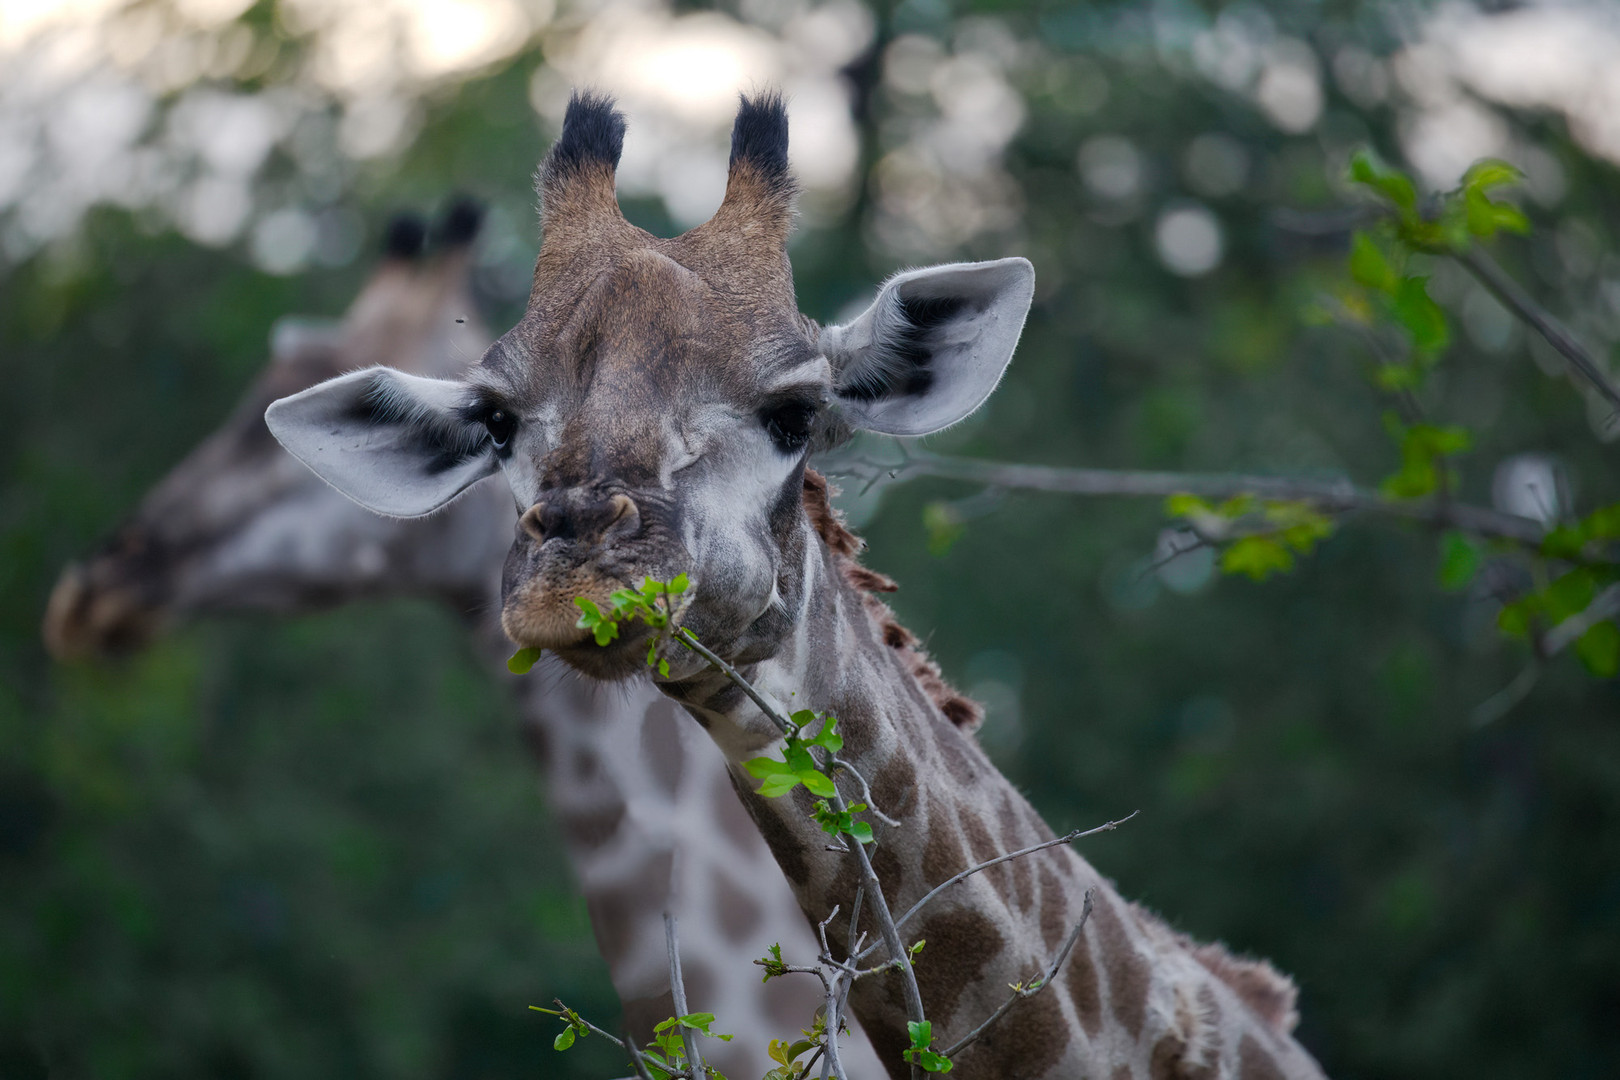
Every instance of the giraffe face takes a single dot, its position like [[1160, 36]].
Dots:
[[653, 411]]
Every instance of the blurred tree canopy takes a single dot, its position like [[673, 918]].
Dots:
[[313, 848]]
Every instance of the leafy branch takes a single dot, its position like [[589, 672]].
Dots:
[[810, 761]]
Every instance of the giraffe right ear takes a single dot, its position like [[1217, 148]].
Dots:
[[932, 346], [399, 445]]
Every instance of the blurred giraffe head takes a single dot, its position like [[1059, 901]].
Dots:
[[239, 523]]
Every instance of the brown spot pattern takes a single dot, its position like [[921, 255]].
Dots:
[[1012, 838], [942, 854], [593, 828], [1129, 975], [739, 912], [1032, 1033], [983, 847], [961, 942], [1084, 985], [661, 745]]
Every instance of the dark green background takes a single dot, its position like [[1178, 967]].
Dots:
[[314, 848]]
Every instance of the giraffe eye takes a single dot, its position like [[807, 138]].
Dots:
[[500, 425], [789, 424]]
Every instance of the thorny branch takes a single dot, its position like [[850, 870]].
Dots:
[[1032, 988]]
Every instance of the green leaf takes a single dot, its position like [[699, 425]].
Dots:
[[1420, 315], [564, 1039], [827, 737], [861, 831], [1599, 649], [1514, 619], [1186, 506], [678, 584], [663, 668], [1460, 559], [778, 785], [817, 782], [1603, 523], [1257, 556], [1369, 266], [1367, 169], [762, 767], [943, 527], [1569, 595], [921, 1032], [1488, 173], [522, 661]]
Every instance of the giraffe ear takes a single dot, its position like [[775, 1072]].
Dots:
[[932, 346], [399, 445]]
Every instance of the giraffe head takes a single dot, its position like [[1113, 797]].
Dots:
[[239, 523], [654, 408]]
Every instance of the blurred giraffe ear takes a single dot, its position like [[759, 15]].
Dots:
[[932, 346]]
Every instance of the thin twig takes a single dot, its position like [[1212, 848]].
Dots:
[[1066, 838], [677, 987], [1033, 988], [771, 711], [1502, 702], [866, 791], [637, 1061], [614, 1039], [1489, 273]]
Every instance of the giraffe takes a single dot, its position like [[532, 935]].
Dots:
[[239, 524], [653, 413]]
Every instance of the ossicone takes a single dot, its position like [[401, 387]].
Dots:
[[576, 180], [759, 188]]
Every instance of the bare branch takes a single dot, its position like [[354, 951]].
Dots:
[[772, 713], [637, 1061], [677, 987], [1329, 496], [1040, 982], [866, 790], [1489, 273], [1066, 838]]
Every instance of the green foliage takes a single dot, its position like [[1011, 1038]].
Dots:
[[797, 766], [786, 1054], [1263, 536], [842, 823], [523, 661], [1460, 559], [1566, 597], [1424, 450], [773, 964], [1600, 527], [920, 1052]]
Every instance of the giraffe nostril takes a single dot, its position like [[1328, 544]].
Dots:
[[573, 516], [533, 522]]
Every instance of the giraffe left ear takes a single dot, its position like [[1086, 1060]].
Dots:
[[932, 346]]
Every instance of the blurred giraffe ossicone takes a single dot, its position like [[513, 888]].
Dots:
[[648, 814]]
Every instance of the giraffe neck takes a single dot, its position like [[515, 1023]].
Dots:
[[646, 809], [1133, 997]]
